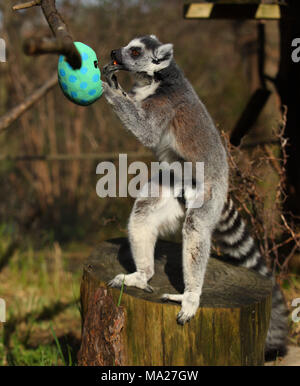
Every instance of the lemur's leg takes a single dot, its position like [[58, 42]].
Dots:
[[149, 217], [197, 232]]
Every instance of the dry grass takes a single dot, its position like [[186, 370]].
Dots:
[[40, 291]]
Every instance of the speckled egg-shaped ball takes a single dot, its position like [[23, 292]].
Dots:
[[82, 86]]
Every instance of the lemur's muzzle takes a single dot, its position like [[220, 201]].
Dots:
[[116, 57]]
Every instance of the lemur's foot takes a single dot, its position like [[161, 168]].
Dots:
[[172, 297], [135, 279], [189, 305]]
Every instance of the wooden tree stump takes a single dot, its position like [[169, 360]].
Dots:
[[229, 328]]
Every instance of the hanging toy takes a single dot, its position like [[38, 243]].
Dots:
[[82, 86]]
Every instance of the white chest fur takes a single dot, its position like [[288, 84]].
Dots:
[[166, 149], [143, 92]]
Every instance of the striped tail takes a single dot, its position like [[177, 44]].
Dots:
[[239, 248]]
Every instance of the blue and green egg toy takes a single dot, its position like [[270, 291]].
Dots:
[[82, 86]]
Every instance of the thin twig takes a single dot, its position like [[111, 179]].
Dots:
[[277, 246], [290, 230], [274, 161], [29, 4]]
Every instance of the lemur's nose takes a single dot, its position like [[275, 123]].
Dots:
[[116, 56], [113, 54]]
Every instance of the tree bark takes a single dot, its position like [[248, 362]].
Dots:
[[229, 328], [104, 322]]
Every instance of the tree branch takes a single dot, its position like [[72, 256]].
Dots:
[[40, 46], [63, 42], [17, 111]]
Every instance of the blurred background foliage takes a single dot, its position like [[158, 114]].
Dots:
[[56, 200]]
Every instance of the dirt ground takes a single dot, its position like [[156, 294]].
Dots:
[[291, 359]]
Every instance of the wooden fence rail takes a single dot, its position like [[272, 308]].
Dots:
[[73, 157], [106, 155]]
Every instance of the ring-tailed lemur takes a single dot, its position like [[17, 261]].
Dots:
[[165, 114]]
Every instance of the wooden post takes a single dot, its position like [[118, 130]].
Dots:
[[229, 328]]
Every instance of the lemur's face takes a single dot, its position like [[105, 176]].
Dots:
[[144, 54]]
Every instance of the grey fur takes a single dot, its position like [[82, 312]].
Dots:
[[165, 114]]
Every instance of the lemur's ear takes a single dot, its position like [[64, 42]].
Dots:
[[164, 52], [153, 37]]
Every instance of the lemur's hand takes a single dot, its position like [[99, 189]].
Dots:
[[110, 76], [112, 93]]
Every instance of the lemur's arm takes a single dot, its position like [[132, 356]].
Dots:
[[146, 120]]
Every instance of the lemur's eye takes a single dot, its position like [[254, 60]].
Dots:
[[135, 53]]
